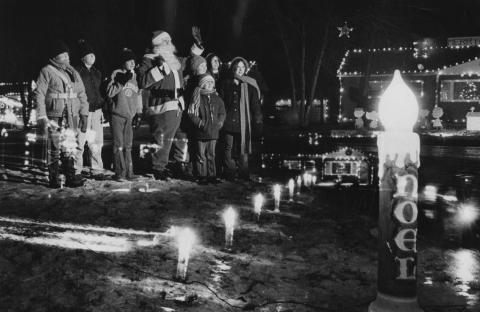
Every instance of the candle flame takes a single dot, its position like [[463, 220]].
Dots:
[[185, 241], [277, 191], [398, 107], [229, 216], [259, 200]]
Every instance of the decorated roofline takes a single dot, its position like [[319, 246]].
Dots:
[[425, 72]]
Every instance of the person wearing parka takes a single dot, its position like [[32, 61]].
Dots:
[[127, 108], [62, 109], [160, 76], [207, 113]]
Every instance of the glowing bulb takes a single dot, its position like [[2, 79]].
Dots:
[[229, 217], [291, 189], [185, 241], [398, 107], [258, 203], [467, 214], [276, 195], [430, 192]]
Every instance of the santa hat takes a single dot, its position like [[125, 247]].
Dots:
[[58, 47], [204, 79], [159, 36], [235, 61], [84, 48], [126, 55], [194, 62]]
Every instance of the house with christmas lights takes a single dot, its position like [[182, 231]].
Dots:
[[441, 76]]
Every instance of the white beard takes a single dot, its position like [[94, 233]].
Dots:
[[168, 54]]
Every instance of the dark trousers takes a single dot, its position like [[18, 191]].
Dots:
[[234, 160], [204, 158], [180, 146], [122, 146], [163, 128]]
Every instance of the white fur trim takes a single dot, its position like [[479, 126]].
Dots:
[[196, 50], [158, 39], [156, 74], [166, 68]]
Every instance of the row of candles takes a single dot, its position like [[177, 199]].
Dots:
[[186, 237]]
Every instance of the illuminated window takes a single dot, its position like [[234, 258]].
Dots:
[[465, 90]]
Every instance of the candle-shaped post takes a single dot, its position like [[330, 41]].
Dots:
[[277, 192], [185, 241], [291, 189], [258, 204], [299, 184], [230, 218], [314, 179], [398, 157], [305, 179]]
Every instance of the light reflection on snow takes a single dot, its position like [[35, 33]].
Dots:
[[73, 240], [465, 268], [73, 236]]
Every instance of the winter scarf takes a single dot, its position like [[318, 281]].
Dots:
[[65, 67], [195, 105], [245, 126]]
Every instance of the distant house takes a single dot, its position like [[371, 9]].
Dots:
[[446, 76]]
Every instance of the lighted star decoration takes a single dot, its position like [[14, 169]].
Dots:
[[345, 30]]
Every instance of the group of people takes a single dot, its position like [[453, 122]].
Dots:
[[188, 102]]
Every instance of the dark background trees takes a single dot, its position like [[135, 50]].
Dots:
[[295, 42]]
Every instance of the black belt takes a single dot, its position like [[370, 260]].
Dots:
[[162, 93]]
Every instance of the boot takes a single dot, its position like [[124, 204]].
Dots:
[[70, 177], [53, 178]]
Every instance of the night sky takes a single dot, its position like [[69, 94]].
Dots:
[[229, 28]]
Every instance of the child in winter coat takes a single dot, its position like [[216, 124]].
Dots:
[[207, 113], [126, 109]]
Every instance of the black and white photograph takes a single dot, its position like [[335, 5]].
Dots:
[[239, 155]]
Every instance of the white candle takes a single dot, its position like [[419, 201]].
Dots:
[[276, 195], [305, 179], [299, 184], [229, 216], [185, 241], [291, 188], [314, 179], [258, 203]]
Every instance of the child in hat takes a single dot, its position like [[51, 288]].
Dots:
[[127, 107], [207, 113]]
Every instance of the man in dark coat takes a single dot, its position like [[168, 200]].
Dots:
[[160, 75], [244, 115], [92, 79], [62, 110]]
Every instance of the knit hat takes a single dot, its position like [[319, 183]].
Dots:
[[194, 62], [126, 55], [204, 79], [237, 59], [159, 36], [58, 47], [84, 48]]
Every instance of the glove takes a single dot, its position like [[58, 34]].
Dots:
[[42, 124], [136, 122], [83, 123], [158, 61], [123, 78], [197, 37]]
